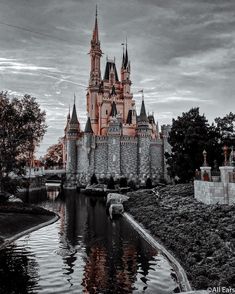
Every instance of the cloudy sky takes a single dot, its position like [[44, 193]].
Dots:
[[182, 53]]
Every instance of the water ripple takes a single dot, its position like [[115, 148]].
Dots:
[[84, 252]]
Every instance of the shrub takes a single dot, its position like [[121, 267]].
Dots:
[[132, 185], [94, 179], [123, 182], [111, 183], [149, 183]]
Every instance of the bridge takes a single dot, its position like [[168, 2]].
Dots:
[[55, 175]]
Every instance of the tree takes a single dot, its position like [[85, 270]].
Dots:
[[54, 155], [22, 126], [226, 129], [190, 135]]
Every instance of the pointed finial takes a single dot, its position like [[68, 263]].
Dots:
[[142, 91], [96, 10], [74, 99]]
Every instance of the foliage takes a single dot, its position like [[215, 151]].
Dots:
[[149, 183], [94, 179], [226, 129], [111, 183], [54, 155], [123, 182], [189, 136], [22, 126], [132, 185]]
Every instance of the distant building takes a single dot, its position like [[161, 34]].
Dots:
[[116, 141]]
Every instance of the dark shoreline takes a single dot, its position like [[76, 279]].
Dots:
[[17, 218], [201, 237]]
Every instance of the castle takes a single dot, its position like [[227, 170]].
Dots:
[[116, 141]]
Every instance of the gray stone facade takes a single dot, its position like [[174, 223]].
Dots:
[[136, 158], [213, 192]]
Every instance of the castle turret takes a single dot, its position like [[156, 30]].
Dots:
[[72, 136], [144, 138], [95, 77], [114, 136]]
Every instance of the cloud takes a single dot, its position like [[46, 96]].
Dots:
[[181, 52]]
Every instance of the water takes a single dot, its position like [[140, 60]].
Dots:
[[84, 252]]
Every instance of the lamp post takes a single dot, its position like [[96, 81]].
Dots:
[[225, 149], [204, 153]]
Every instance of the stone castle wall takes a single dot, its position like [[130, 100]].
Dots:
[[143, 158], [135, 158], [156, 160], [100, 158], [129, 157]]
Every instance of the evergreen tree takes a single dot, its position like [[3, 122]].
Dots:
[[226, 128], [189, 136]]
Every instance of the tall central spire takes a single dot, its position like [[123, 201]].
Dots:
[[95, 37]]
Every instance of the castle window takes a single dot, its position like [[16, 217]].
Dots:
[[114, 158], [92, 106], [139, 150], [114, 141], [106, 112]]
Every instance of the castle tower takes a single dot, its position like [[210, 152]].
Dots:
[[95, 77], [126, 84], [72, 136], [115, 141], [144, 138], [114, 136], [64, 141]]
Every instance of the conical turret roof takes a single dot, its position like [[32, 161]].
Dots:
[[74, 118], [143, 116], [88, 128]]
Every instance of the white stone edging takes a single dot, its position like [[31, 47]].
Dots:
[[183, 280], [7, 241]]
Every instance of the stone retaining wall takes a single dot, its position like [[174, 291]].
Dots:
[[214, 192]]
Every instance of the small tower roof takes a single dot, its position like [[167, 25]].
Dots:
[[113, 109], [74, 118], [108, 67], [88, 128], [143, 116]]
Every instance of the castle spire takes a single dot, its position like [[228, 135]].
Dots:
[[143, 116], [123, 55], [126, 56], [95, 37], [74, 118]]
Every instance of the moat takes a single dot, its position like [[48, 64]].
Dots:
[[84, 252]]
